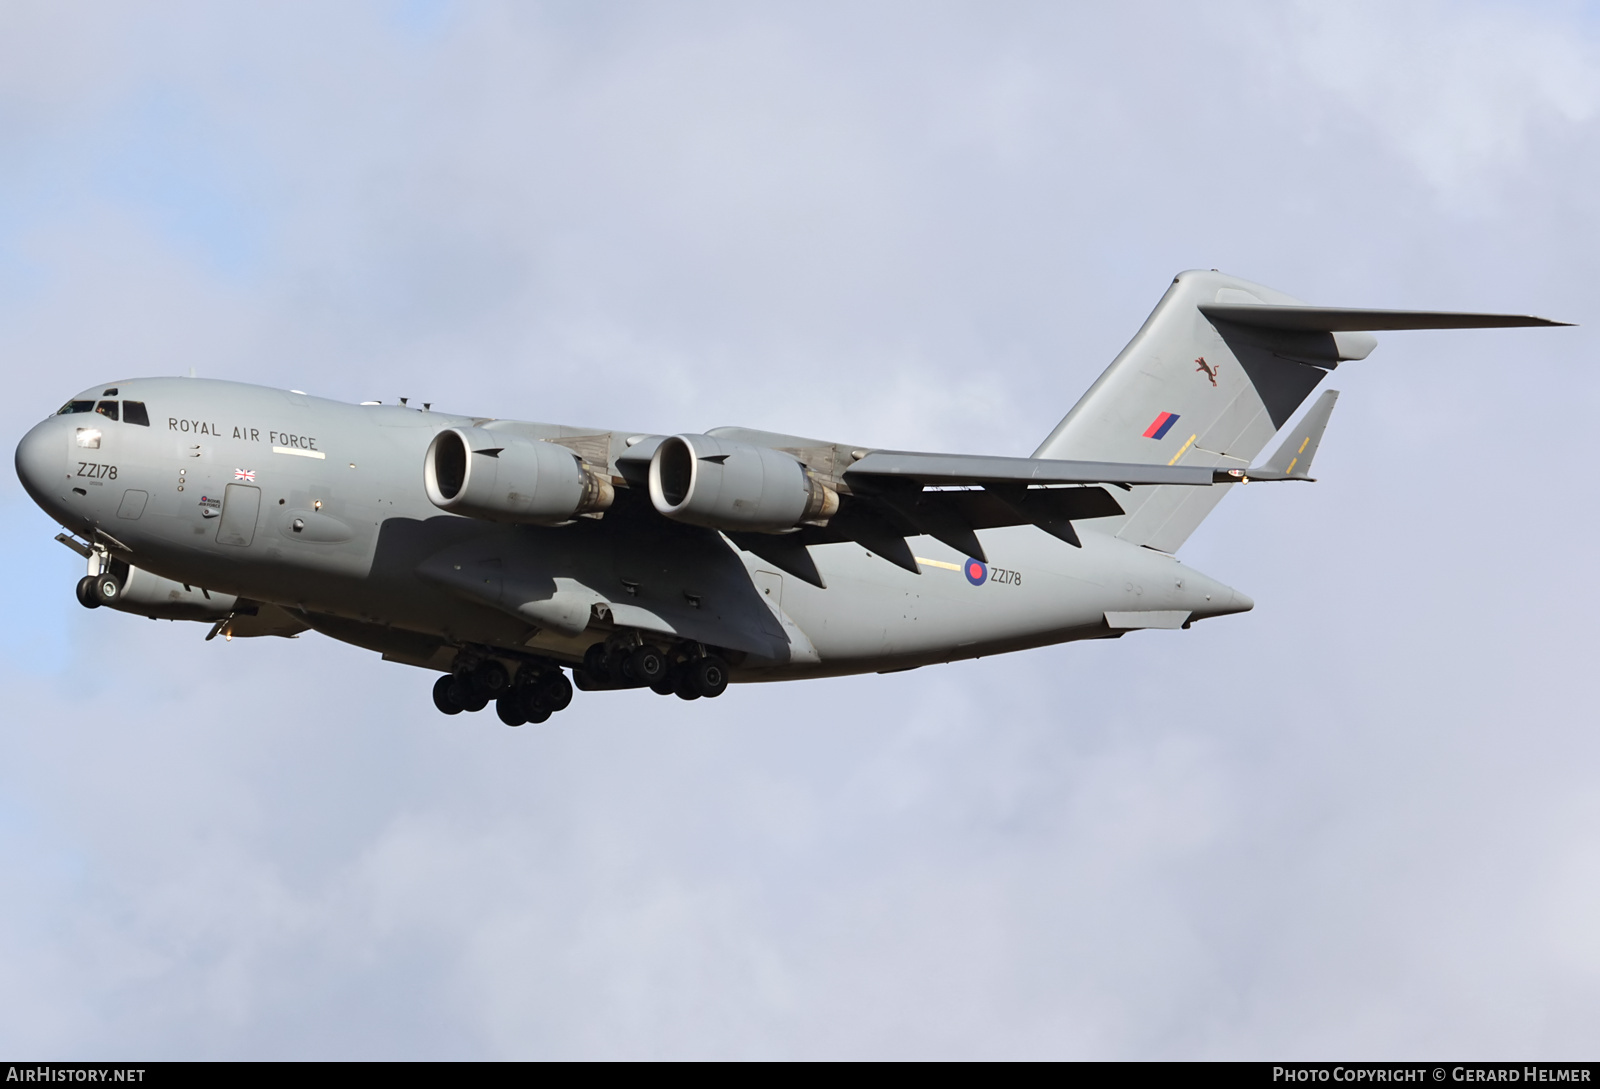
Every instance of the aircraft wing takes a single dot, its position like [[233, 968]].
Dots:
[[886, 502], [974, 469]]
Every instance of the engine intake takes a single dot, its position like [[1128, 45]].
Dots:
[[508, 478], [712, 482]]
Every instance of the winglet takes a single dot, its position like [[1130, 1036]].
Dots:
[[1293, 459]]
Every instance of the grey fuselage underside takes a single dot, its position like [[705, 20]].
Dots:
[[368, 533]]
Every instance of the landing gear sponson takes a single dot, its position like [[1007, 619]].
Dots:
[[539, 689]]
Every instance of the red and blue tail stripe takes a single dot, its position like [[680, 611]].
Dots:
[[1162, 424]]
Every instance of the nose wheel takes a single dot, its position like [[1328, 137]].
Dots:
[[94, 591], [85, 591]]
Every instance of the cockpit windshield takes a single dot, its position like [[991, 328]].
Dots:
[[133, 412]]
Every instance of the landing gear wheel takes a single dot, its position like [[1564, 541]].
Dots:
[[107, 588], [664, 687], [85, 592], [710, 675], [443, 697], [509, 708], [465, 694], [555, 691], [540, 715], [688, 688], [596, 668], [646, 666], [492, 679]]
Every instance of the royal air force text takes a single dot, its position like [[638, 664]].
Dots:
[[243, 434]]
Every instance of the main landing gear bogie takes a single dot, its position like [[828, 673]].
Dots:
[[535, 699], [533, 696], [688, 673], [539, 689]]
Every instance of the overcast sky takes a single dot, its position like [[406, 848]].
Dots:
[[1358, 821]]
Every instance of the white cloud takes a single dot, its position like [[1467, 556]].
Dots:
[[1459, 91]]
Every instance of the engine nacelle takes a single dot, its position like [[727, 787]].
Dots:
[[712, 482], [508, 478]]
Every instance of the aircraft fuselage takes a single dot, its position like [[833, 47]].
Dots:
[[318, 507]]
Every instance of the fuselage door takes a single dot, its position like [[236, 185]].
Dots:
[[241, 504]]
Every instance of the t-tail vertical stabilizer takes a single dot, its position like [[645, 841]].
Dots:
[[1217, 369]]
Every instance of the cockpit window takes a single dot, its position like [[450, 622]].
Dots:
[[76, 406], [108, 409], [133, 412]]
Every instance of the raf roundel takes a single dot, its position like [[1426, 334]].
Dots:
[[976, 571]]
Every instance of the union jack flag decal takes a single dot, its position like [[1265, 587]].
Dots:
[[244, 474]]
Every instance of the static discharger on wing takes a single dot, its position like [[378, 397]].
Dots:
[[518, 560]]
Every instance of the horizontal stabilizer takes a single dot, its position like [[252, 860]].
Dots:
[[1339, 319], [971, 469], [1293, 459]]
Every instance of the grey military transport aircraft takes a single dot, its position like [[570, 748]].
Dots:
[[504, 554]]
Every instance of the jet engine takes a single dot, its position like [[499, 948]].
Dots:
[[508, 478], [712, 482]]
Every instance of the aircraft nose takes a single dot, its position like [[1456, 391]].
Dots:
[[42, 461]]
